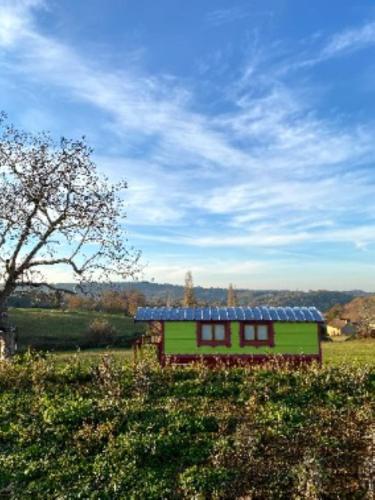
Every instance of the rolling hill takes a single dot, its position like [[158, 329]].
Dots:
[[163, 293]]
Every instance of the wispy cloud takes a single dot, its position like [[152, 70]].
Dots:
[[350, 40], [208, 270], [223, 16], [342, 43], [272, 237]]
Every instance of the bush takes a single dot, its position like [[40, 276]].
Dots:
[[115, 430], [100, 333]]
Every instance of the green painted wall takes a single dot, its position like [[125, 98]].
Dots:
[[290, 338]]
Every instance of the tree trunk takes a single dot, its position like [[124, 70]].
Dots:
[[7, 333]]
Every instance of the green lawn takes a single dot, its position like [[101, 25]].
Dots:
[[352, 352], [64, 330], [357, 352]]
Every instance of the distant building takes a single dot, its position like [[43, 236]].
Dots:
[[340, 326]]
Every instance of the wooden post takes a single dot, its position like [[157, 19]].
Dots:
[[135, 353], [7, 344]]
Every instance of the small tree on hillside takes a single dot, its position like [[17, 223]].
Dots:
[[189, 298], [134, 300], [78, 302], [112, 301], [334, 312], [366, 317], [56, 210], [231, 298]]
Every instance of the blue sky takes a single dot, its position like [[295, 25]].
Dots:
[[245, 129]]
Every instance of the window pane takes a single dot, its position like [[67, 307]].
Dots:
[[206, 332], [249, 332], [262, 332], [219, 332]]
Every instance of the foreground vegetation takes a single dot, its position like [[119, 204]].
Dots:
[[114, 430]]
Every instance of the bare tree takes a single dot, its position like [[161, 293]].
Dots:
[[231, 299], [56, 210], [365, 320], [189, 297]]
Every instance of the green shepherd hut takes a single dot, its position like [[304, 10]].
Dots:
[[233, 335]]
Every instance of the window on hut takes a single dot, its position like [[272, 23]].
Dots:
[[256, 334], [213, 334]]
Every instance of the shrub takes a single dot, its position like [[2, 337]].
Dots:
[[115, 430], [100, 333]]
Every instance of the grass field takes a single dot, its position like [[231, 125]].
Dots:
[[353, 352], [64, 330], [356, 352]]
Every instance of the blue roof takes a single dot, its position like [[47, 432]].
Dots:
[[260, 313]]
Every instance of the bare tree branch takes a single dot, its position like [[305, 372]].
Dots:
[[56, 210]]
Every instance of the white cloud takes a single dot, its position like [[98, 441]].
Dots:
[[350, 40], [272, 236], [146, 198], [206, 272], [16, 19]]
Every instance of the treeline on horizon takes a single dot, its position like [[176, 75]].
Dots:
[[126, 297]]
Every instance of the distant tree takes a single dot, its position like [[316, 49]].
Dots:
[[47, 299], [112, 301], [79, 302], [73, 302], [109, 301], [365, 316], [189, 297], [42, 298], [231, 298], [56, 210], [135, 299]]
